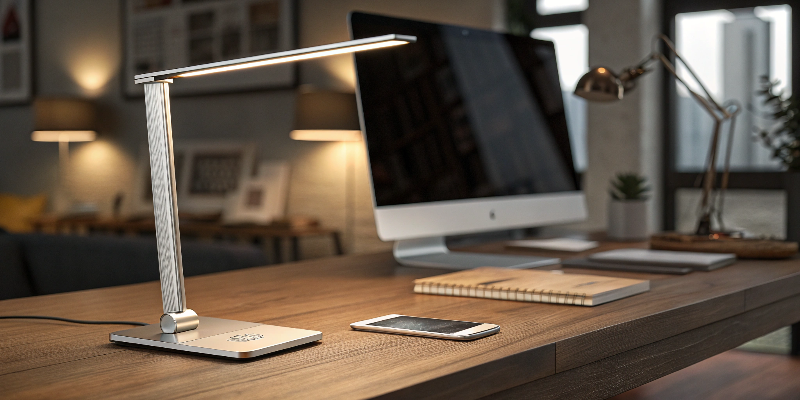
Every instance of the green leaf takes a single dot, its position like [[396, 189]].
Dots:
[[629, 186]]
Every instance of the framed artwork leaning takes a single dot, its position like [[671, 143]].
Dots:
[[16, 48], [262, 198], [205, 173], [165, 34]]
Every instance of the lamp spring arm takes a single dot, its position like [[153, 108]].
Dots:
[[671, 46], [707, 103]]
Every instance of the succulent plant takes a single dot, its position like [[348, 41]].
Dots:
[[629, 186], [784, 137]]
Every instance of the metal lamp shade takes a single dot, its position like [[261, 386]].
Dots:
[[600, 84], [326, 116]]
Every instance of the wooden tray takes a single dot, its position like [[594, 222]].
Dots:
[[743, 248]]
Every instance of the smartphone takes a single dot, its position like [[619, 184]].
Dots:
[[427, 327]]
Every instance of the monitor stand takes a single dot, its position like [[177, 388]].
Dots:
[[433, 253]]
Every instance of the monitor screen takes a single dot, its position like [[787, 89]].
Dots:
[[461, 114]]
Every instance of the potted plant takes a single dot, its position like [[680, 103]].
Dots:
[[783, 139], [627, 210]]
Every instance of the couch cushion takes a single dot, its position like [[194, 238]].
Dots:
[[60, 263], [14, 280], [17, 212]]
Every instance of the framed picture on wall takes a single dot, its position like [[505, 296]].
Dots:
[[16, 44], [165, 34]]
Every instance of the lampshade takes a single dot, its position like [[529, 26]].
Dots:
[[600, 84], [63, 120], [326, 116]]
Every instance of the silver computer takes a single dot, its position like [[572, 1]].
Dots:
[[465, 132]]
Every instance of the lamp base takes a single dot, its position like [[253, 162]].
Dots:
[[219, 337], [720, 243]]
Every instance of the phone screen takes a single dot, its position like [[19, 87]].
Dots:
[[425, 324]]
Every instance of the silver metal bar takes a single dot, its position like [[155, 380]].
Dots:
[[165, 205], [172, 73]]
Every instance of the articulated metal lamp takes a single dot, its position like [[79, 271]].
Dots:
[[180, 328], [600, 84]]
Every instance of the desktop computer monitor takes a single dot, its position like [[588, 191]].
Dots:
[[465, 132]]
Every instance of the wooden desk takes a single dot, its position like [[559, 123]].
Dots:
[[543, 350], [257, 234]]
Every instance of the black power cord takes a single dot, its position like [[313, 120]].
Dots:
[[74, 321]]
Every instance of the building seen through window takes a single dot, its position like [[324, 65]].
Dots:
[[731, 50]]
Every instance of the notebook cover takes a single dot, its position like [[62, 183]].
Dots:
[[532, 286]]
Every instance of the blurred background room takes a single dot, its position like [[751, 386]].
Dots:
[[272, 168]]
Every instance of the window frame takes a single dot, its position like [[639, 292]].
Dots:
[[673, 180]]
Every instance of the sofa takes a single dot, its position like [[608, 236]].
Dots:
[[37, 264]]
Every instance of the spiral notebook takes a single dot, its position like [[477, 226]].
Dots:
[[531, 286]]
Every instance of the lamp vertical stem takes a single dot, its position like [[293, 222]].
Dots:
[[62, 197], [709, 181], [165, 205]]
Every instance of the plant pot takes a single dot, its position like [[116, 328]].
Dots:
[[627, 220], [791, 183]]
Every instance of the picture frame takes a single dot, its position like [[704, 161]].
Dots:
[[16, 52], [261, 199], [165, 34], [205, 173]]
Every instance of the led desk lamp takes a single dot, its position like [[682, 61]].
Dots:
[[180, 328]]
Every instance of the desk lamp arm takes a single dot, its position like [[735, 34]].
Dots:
[[176, 318], [629, 76], [720, 113]]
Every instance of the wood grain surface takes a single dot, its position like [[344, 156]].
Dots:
[[735, 374], [557, 350], [625, 371]]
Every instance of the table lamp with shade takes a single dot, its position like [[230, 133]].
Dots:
[[330, 116], [326, 116], [63, 120], [180, 328]]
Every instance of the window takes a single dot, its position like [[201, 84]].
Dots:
[[730, 50], [548, 7], [560, 21], [572, 55]]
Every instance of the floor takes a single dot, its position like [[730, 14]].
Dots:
[[732, 375]]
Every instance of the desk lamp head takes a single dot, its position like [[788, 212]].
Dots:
[[180, 327]]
